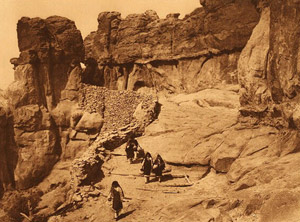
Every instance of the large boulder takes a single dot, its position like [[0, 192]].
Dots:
[[90, 121], [36, 138], [36, 158]]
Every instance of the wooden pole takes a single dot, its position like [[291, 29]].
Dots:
[[141, 175], [155, 190], [187, 179], [176, 185]]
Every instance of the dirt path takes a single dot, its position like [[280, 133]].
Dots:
[[144, 200]]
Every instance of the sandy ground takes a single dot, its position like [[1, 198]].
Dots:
[[144, 202]]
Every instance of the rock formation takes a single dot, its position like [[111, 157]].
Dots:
[[49, 114], [252, 67], [47, 49], [232, 122], [6, 156], [269, 82], [145, 51]]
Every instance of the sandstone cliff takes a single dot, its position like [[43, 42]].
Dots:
[[47, 49], [238, 143], [268, 65], [171, 54]]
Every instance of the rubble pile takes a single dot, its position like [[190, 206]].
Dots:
[[116, 107], [91, 98]]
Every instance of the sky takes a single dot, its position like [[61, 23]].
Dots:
[[83, 12]]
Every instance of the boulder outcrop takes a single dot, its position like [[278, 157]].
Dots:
[[268, 66], [50, 49], [172, 54]]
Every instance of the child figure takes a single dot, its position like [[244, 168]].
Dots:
[[147, 166], [116, 195]]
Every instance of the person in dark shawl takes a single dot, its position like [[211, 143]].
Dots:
[[130, 148], [116, 194], [147, 166], [158, 167]]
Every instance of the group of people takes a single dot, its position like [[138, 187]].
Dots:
[[149, 166], [134, 151]]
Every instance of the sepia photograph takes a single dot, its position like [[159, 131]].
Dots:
[[139, 110]]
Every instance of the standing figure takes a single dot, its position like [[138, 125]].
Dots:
[[130, 147], [158, 167], [147, 166], [116, 195]]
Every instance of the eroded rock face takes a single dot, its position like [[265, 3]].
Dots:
[[49, 46], [170, 54], [252, 67], [6, 175], [50, 51], [269, 82]]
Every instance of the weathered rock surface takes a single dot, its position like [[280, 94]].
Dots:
[[252, 67], [177, 55], [239, 167], [196, 34], [196, 121], [90, 121], [6, 160], [269, 82], [50, 51], [49, 46]]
